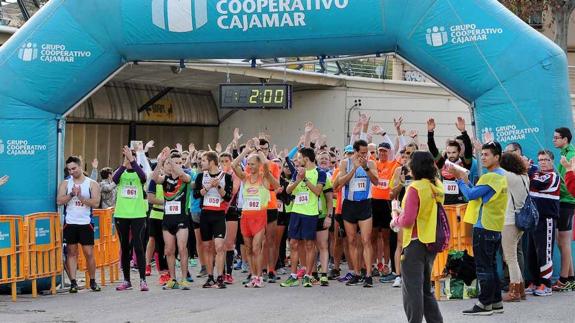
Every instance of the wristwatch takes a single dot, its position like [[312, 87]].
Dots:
[[366, 168]]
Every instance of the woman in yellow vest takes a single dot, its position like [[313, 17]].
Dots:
[[486, 211], [419, 221]]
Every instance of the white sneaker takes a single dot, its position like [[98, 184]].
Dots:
[[397, 282]]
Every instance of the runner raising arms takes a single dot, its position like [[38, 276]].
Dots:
[[256, 195], [176, 222]]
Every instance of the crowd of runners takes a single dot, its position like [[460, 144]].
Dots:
[[257, 215]]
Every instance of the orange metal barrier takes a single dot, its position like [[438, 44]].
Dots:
[[12, 251], [461, 239], [43, 248], [106, 247]]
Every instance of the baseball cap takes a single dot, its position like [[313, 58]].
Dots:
[[348, 149], [384, 145]]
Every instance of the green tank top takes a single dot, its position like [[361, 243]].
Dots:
[[256, 197], [158, 215], [322, 200], [305, 202], [130, 203]]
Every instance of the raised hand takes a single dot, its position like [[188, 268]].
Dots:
[[488, 137], [164, 155], [377, 130], [300, 173], [149, 145], [363, 119], [95, 163], [357, 129], [218, 148], [413, 134], [237, 135], [430, 125], [179, 147], [460, 124], [397, 124], [192, 148], [128, 153], [308, 127]]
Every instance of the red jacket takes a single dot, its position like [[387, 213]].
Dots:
[[570, 182]]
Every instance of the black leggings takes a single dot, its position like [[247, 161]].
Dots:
[[138, 229]]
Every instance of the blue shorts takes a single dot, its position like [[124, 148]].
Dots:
[[302, 227]]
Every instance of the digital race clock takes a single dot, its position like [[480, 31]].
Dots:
[[255, 96]]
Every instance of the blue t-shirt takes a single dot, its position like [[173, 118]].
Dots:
[[485, 192]]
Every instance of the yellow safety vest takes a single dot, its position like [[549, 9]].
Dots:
[[429, 196], [493, 215]]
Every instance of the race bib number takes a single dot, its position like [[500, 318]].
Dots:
[[213, 200], [129, 192], [77, 202], [358, 184], [173, 208], [383, 183], [302, 198], [451, 187], [252, 204]]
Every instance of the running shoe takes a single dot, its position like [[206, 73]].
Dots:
[[306, 282], [124, 286], [282, 271], [164, 278], [476, 310], [203, 272], [543, 290], [559, 286], [238, 265], [324, 281], [148, 270], [184, 285], [375, 272], [368, 282], [354, 281], [290, 282], [171, 284], [301, 273], [94, 287], [143, 286], [570, 285], [210, 283], [247, 280], [189, 278], [314, 280], [388, 279], [245, 267], [251, 283], [258, 283], [397, 282], [333, 274], [345, 278], [228, 279], [530, 289], [497, 309], [73, 289], [271, 277], [220, 283], [265, 277], [192, 262]]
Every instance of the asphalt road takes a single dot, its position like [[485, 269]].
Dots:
[[336, 303]]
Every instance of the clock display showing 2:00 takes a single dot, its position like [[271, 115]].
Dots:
[[253, 96]]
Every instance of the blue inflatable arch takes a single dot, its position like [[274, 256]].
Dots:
[[515, 79]]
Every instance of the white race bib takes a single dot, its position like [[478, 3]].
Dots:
[[383, 183], [451, 187], [213, 199], [173, 208], [302, 198], [129, 192], [252, 203], [358, 184]]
